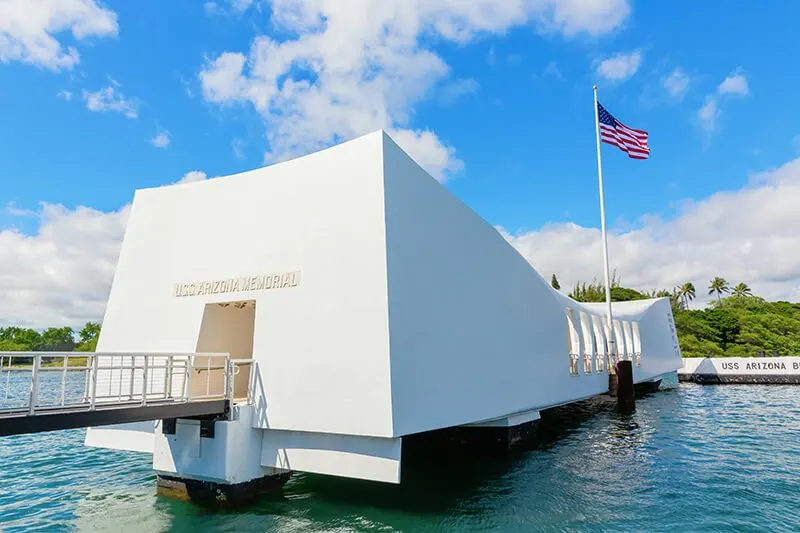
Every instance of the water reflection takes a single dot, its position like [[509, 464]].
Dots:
[[689, 458]]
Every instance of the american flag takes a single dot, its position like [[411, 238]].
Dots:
[[612, 131]]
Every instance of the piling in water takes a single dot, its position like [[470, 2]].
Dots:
[[613, 384], [626, 399]]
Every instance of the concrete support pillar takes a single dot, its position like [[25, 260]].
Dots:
[[219, 467], [626, 398], [215, 494], [487, 437]]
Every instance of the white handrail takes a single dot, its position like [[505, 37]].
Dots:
[[113, 378]]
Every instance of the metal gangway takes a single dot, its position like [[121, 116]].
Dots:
[[46, 391]]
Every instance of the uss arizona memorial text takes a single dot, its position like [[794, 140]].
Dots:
[[251, 283]]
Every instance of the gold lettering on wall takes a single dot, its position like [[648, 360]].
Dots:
[[245, 283]]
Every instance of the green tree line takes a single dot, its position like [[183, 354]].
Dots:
[[735, 324], [64, 339]]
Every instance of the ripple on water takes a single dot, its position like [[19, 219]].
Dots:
[[692, 458]]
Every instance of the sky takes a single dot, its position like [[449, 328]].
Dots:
[[494, 99]]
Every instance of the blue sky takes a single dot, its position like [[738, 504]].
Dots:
[[505, 92]]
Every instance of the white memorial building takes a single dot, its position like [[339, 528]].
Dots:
[[374, 304]]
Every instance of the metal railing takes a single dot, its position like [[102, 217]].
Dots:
[[35, 382], [573, 363]]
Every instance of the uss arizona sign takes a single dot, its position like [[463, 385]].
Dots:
[[248, 283], [741, 370]]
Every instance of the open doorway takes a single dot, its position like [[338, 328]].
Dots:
[[227, 327]]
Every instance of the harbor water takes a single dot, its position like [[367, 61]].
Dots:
[[691, 458]]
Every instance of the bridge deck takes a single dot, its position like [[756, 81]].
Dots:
[[19, 422]]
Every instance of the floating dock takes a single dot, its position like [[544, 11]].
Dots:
[[373, 308], [753, 370]]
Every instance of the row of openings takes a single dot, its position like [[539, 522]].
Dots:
[[591, 340]]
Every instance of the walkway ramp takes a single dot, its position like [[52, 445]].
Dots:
[[46, 391]]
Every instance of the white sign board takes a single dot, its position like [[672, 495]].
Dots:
[[741, 369]]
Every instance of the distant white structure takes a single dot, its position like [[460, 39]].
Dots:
[[376, 305], [749, 370]]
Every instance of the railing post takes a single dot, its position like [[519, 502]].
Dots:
[[34, 399], [168, 378], [251, 382], [121, 371], [188, 380], [144, 382], [132, 370], [8, 375], [231, 382], [64, 381], [93, 395]]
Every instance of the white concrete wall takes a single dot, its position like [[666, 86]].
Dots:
[[659, 340], [232, 456], [322, 346], [373, 458], [475, 332]]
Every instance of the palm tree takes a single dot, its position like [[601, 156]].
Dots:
[[742, 290], [676, 299], [718, 286], [687, 293]]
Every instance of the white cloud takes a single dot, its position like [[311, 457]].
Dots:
[[64, 95], [360, 65], [708, 114], [28, 30], [110, 99], [676, 83], [237, 145], [453, 91], [12, 209], [241, 5], [161, 139], [552, 70], [230, 7], [61, 274], [428, 151], [620, 67], [746, 235], [514, 60], [736, 83], [192, 176], [491, 57]]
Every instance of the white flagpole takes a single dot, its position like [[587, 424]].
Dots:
[[611, 337]]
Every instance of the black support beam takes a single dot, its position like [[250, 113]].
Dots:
[[105, 416]]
